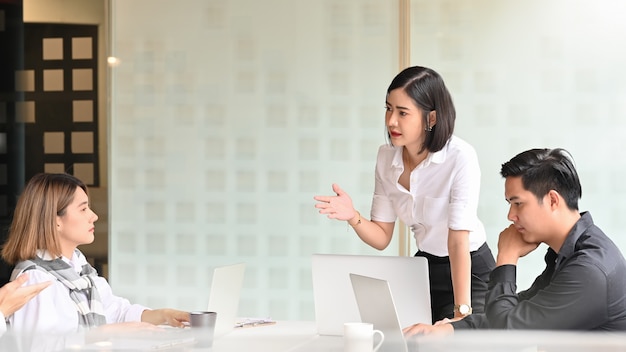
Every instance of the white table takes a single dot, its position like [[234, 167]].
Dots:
[[292, 336], [302, 336]]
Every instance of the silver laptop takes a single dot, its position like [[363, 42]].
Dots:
[[376, 306], [224, 296], [334, 298]]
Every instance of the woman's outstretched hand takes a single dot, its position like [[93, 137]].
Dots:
[[13, 295], [338, 206]]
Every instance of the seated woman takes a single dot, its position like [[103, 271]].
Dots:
[[51, 219]]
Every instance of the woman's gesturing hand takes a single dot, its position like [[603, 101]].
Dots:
[[338, 206]]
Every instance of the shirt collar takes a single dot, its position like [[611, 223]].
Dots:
[[436, 157], [45, 255], [580, 227]]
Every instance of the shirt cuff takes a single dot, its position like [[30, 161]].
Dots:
[[503, 273], [134, 312], [473, 321]]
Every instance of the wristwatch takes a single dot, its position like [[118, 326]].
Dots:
[[463, 309]]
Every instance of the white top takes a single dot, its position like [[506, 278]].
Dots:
[[52, 311], [444, 195]]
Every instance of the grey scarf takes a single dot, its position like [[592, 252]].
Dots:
[[81, 287]]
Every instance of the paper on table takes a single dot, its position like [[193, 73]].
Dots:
[[252, 322]]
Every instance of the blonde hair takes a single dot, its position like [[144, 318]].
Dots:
[[45, 197]]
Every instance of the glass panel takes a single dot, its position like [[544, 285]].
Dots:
[[242, 111], [533, 74]]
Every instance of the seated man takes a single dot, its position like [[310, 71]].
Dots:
[[583, 286]]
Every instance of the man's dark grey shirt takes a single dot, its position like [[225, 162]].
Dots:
[[583, 287]]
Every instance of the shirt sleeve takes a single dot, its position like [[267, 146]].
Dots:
[[464, 193], [566, 302], [474, 321], [50, 310], [117, 309], [382, 207]]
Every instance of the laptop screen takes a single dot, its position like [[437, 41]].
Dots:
[[376, 306], [224, 296], [334, 298]]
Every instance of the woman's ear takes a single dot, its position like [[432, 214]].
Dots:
[[432, 118]]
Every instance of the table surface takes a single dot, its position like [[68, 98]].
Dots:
[[296, 336], [302, 336]]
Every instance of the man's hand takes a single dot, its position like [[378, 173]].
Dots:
[[511, 246], [427, 329]]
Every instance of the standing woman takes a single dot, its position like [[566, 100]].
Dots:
[[52, 217], [429, 179]]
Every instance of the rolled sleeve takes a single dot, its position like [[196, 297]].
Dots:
[[382, 207], [464, 192], [462, 217]]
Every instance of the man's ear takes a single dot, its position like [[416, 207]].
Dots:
[[554, 198]]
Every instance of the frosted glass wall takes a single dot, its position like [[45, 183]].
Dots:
[[528, 74], [227, 117]]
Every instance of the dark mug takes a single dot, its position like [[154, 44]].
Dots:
[[203, 327]]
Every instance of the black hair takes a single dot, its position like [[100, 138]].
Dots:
[[427, 89], [543, 170]]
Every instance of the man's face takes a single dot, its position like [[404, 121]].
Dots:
[[529, 216]]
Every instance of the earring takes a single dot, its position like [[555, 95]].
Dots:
[[430, 115]]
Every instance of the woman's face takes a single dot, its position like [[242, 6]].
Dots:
[[76, 225], [404, 120]]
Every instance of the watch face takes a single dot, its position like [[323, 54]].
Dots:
[[464, 309]]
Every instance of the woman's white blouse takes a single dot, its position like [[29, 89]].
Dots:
[[443, 196], [53, 312]]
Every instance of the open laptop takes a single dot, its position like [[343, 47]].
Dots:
[[334, 299], [224, 296], [377, 306]]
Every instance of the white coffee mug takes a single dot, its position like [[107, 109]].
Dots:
[[359, 337]]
